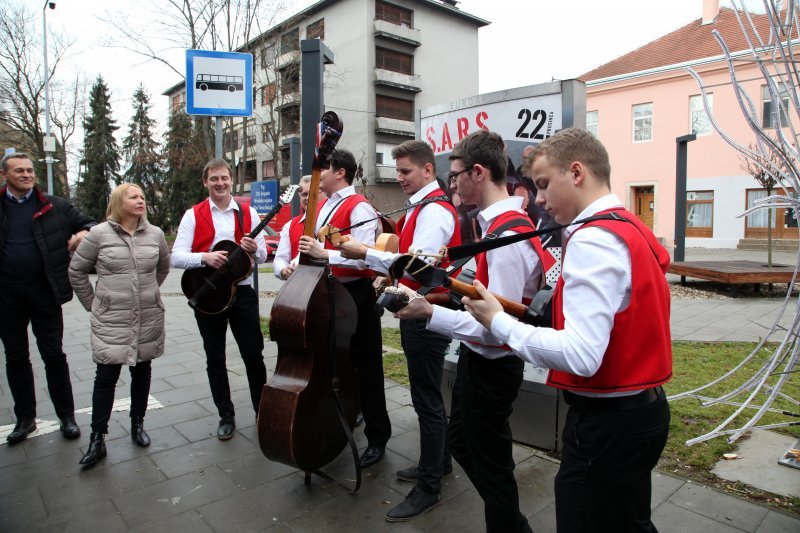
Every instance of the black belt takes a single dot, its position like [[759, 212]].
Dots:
[[613, 403]]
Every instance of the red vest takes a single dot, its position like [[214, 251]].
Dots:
[[482, 264], [296, 228], [406, 228], [204, 231], [341, 219], [639, 353]]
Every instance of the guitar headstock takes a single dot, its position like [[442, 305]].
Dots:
[[288, 194]]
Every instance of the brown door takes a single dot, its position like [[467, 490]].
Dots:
[[644, 204]]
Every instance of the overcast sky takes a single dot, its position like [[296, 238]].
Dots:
[[527, 42]]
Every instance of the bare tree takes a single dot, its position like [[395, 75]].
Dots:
[[22, 84], [756, 166], [173, 25]]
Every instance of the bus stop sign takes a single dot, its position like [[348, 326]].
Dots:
[[219, 83]]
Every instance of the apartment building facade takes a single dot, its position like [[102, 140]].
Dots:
[[638, 104], [391, 58]]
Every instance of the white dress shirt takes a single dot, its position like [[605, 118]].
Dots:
[[435, 227], [283, 255], [366, 233], [597, 284], [224, 226], [514, 272]]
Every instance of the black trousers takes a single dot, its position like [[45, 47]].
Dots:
[[366, 354], [479, 434], [425, 351], [246, 328], [105, 382], [604, 481], [21, 305]]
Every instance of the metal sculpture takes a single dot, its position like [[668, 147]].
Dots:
[[774, 55]]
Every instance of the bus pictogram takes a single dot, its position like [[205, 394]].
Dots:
[[217, 82]]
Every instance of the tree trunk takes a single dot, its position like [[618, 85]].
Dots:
[[769, 233]]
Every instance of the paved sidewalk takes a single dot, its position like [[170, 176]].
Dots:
[[189, 481]]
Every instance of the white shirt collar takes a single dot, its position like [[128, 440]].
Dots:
[[423, 192], [601, 204], [231, 205], [512, 203], [343, 193]]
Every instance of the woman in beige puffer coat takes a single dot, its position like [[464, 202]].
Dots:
[[127, 323]]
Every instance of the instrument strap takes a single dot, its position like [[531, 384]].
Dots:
[[332, 211], [520, 221], [474, 248], [240, 218]]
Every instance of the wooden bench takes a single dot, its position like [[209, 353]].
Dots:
[[733, 272]]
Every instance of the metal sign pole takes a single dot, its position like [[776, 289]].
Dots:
[[218, 138]]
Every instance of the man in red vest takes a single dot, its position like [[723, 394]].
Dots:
[[218, 218], [422, 229], [285, 260], [342, 209], [489, 375], [610, 346]]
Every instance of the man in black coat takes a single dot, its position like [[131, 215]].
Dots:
[[37, 233]]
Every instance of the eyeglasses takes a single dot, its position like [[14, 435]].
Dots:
[[454, 175]]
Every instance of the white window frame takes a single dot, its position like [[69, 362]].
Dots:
[[634, 119], [593, 123], [768, 120], [698, 115]]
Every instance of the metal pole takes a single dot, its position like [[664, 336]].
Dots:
[[314, 56], [294, 169], [218, 138], [680, 195], [48, 158]]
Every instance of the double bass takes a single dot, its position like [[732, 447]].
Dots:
[[308, 408]]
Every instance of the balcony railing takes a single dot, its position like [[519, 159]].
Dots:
[[394, 126], [397, 32], [389, 78], [385, 174]]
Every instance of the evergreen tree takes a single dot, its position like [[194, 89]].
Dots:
[[185, 156], [100, 153], [142, 153]]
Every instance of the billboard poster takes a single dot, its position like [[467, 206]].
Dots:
[[523, 117]]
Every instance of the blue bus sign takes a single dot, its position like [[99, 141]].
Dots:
[[263, 196], [219, 83]]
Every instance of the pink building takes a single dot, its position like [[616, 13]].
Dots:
[[641, 102]]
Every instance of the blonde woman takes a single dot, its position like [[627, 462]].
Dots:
[[127, 323]]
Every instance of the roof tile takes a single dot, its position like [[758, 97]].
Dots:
[[691, 42]]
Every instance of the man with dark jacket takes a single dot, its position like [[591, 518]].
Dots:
[[37, 232]]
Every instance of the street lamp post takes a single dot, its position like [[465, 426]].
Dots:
[[49, 147]]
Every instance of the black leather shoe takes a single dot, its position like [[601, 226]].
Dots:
[[359, 419], [227, 425], [371, 455], [411, 474], [69, 428], [21, 430], [138, 435], [96, 451], [417, 503]]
